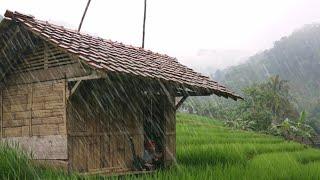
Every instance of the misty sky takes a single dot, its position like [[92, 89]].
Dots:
[[181, 28]]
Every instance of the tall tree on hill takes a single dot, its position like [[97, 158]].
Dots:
[[266, 104], [279, 98]]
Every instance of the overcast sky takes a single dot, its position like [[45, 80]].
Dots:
[[180, 28]]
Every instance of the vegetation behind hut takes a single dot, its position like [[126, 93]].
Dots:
[[292, 65]]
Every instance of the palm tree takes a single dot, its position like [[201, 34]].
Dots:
[[279, 99]]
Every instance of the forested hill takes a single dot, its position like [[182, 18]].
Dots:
[[295, 58]]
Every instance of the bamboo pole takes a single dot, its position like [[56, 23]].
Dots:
[[84, 14], [144, 22]]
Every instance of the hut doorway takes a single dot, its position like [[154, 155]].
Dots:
[[153, 126]]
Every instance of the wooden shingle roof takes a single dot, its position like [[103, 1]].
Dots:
[[113, 56]]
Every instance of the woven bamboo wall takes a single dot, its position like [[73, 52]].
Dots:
[[34, 116], [99, 131], [33, 102]]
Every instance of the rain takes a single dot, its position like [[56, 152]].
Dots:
[[78, 105]]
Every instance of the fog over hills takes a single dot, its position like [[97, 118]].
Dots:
[[295, 58], [207, 61]]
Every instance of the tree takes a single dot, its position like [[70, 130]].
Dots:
[[279, 99], [266, 104], [314, 117], [297, 130]]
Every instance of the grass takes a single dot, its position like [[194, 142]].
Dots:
[[206, 150], [17, 165]]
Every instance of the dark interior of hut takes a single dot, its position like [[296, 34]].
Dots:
[[117, 110], [153, 126]]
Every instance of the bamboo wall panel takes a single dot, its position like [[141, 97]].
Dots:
[[16, 111], [79, 154], [102, 132], [33, 116], [45, 147], [94, 152], [48, 108]]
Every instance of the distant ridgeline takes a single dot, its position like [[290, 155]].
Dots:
[[295, 58]]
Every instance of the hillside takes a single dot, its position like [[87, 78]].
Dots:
[[206, 149], [295, 58]]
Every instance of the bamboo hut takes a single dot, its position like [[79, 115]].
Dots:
[[75, 100]]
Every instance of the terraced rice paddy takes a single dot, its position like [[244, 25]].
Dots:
[[207, 150]]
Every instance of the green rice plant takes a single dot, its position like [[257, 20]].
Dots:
[[182, 117], [14, 164], [205, 150]]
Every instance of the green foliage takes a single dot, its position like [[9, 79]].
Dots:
[[265, 104], [201, 106], [296, 130], [314, 117], [14, 164], [269, 108]]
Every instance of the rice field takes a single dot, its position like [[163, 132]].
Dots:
[[205, 150]]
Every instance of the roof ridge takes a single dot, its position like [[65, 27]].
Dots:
[[11, 14]]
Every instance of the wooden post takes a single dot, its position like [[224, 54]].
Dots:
[[65, 102], [1, 113], [45, 64], [65, 105], [65, 110], [30, 101], [170, 131], [180, 102]]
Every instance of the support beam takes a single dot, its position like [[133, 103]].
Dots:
[[94, 75], [91, 76], [75, 87], [180, 102]]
